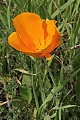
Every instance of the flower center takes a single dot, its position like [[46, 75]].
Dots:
[[39, 45]]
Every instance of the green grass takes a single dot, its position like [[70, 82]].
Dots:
[[36, 89]]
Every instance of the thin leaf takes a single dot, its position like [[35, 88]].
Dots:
[[63, 7], [57, 89]]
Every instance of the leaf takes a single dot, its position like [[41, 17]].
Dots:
[[8, 16], [26, 81], [57, 89], [24, 71], [18, 101], [63, 107], [26, 93], [47, 117], [61, 73], [63, 7], [76, 65]]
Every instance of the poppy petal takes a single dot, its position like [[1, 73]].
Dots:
[[48, 56], [44, 25], [15, 41], [29, 26], [50, 27], [55, 40]]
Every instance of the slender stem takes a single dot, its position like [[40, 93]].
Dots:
[[41, 89], [29, 5], [41, 82], [34, 91]]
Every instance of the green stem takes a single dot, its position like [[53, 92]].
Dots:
[[29, 5], [40, 79], [34, 91], [41, 88]]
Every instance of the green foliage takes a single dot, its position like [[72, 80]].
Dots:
[[36, 89]]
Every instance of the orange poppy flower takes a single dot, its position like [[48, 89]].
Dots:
[[34, 36]]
